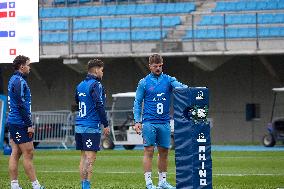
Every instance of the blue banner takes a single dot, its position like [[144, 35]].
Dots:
[[192, 138], [3, 109]]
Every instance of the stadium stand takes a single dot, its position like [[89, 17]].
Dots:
[[175, 27], [112, 10], [128, 28], [231, 19], [236, 33], [249, 5], [244, 24]]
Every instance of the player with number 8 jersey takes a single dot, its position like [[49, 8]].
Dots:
[[155, 90]]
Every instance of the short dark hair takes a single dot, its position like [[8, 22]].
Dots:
[[95, 63], [155, 59], [19, 60]]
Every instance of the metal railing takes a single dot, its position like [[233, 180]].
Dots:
[[53, 127]]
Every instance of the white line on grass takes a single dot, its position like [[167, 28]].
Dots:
[[248, 174], [133, 172]]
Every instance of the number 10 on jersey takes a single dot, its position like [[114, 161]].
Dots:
[[82, 109]]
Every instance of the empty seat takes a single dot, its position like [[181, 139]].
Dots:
[[54, 38], [251, 5], [188, 34], [54, 25], [72, 1], [160, 8], [265, 18], [86, 24], [80, 37], [58, 2], [274, 32], [271, 5], [84, 1], [263, 32], [93, 36]]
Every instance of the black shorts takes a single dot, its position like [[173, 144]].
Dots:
[[19, 135], [88, 141]]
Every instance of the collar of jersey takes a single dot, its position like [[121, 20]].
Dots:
[[19, 74], [152, 75], [90, 76]]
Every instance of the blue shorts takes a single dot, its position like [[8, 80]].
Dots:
[[156, 134], [88, 141], [19, 135]]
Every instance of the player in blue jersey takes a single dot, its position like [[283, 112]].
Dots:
[[20, 124], [90, 96], [155, 90]]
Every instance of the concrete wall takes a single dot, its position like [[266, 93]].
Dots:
[[241, 80]]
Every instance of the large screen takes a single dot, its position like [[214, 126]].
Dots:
[[19, 32]]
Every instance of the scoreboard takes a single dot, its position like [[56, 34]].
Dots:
[[19, 31]]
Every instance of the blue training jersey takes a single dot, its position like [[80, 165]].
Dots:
[[90, 96], [156, 93], [19, 101]]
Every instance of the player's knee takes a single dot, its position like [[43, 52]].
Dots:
[[90, 161], [149, 152], [16, 154], [29, 154], [163, 155]]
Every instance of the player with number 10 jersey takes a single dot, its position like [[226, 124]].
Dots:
[[90, 97]]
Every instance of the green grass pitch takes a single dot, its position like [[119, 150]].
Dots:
[[123, 170]]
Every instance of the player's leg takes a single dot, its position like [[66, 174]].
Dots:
[[82, 166], [147, 164], [27, 149], [90, 145], [162, 159], [149, 137], [13, 165], [90, 160], [163, 143]]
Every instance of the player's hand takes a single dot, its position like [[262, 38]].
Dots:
[[31, 131], [106, 131], [137, 128]]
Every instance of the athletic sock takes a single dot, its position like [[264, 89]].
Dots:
[[162, 176], [86, 184], [15, 184], [148, 177], [36, 184]]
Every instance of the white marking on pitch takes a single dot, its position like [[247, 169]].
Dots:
[[129, 172]]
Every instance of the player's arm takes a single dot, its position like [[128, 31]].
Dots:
[[76, 97], [137, 108], [96, 93], [175, 83], [24, 110]]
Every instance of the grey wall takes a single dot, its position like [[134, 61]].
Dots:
[[241, 80]]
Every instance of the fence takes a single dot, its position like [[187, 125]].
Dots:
[[53, 127]]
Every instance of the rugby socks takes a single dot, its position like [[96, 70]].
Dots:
[[148, 177], [86, 184], [15, 184], [36, 184], [162, 176]]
